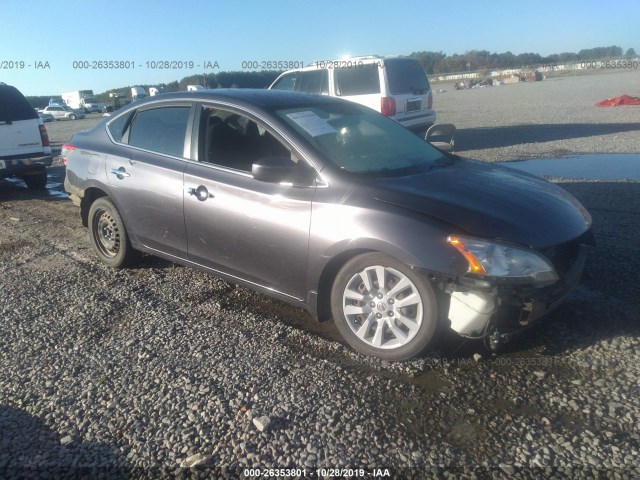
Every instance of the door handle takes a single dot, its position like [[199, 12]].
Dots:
[[120, 173], [201, 193]]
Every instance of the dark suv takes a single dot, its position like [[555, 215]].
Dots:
[[24, 143]]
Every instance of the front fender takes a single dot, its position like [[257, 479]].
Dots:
[[412, 238]]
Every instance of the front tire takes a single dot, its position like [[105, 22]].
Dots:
[[72, 117], [383, 308], [109, 235]]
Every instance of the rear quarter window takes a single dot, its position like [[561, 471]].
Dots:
[[362, 80], [13, 106], [118, 126]]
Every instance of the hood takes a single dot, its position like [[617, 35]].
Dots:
[[489, 201]]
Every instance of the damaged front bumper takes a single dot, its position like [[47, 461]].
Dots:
[[480, 307]]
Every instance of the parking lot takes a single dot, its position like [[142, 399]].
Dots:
[[154, 369]]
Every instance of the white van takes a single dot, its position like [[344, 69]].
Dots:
[[395, 86]]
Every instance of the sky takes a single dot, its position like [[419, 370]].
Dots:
[[44, 44]]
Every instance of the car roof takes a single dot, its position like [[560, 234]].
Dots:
[[247, 96]]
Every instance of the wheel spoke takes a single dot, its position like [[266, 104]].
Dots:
[[376, 341], [380, 275], [399, 333], [398, 287], [412, 299], [364, 328], [353, 310], [407, 322], [353, 295], [364, 275]]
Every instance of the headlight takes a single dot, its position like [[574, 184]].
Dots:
[[501, 260]]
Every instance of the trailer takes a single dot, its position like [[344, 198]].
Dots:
[[138, 93]]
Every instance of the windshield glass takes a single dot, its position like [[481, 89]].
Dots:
[[359, 140]]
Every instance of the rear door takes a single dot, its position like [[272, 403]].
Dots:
[[146, 174]]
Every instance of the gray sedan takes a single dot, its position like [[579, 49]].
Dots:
[[332, 207]]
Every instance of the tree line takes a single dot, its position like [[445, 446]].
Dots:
[[439, 62]]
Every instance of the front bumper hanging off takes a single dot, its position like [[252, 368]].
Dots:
[[479, 308]]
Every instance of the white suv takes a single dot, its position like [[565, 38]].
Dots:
[[24, 143], [394, 86]]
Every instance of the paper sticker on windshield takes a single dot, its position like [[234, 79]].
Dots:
[[312, 123]]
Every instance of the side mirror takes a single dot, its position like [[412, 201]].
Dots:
[[283, 170], [442, 136]]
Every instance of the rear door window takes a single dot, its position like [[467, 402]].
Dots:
[[361, 80], [160, 130]]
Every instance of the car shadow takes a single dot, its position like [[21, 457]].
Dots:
[[15, 189], [31, 449], [506, 136]]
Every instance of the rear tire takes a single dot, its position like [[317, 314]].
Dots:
[[383, 308], [36, 180], [72, 117], [109, 235]]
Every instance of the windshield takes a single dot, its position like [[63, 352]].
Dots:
[[359, 140]]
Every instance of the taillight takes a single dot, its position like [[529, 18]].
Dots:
[[66, 148], [430, 101], [44, 136], [387, 106]]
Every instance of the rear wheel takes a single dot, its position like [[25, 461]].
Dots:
[[36, 180], [383, 308], [109, 235], [72, 117]]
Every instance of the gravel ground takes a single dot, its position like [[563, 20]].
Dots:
[[160, 371], [553, 118]]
